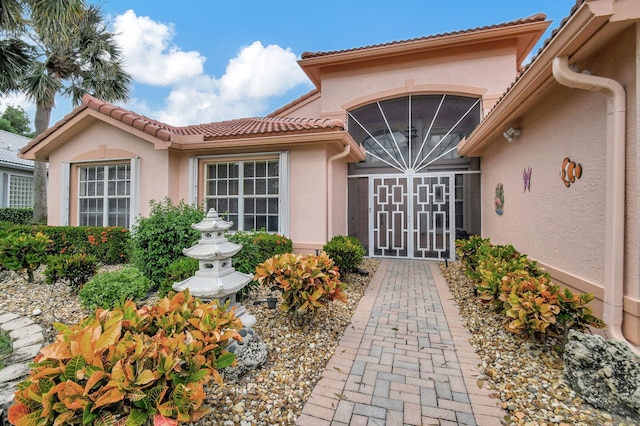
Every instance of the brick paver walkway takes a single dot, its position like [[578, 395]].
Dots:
[[404, 360]]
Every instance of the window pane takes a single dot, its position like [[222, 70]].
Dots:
[[273, 168], [249, 205], [233, 170], [261, 222], [273, 186], [261, 205], [249, 187], [272, 206], [261, 186], [222, 187], [261, 169], [249, 169], [272, 224]]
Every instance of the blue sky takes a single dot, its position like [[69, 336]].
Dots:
[[199, 61]]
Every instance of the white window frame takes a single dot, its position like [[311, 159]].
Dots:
[[134, 190], [195, 180], [9, 191]]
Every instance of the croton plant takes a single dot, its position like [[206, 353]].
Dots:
[[129, 366]]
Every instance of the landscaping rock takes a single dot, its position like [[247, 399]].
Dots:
[[605, 373]]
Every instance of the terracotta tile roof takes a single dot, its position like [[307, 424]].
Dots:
[[238, 128], [293, 103], [534, 18], [546, 42]]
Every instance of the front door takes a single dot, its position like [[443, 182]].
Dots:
[[411, 216]]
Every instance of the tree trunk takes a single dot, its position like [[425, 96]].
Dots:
[[41, 123]]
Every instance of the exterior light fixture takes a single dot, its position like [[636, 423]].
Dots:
[[511, 133]]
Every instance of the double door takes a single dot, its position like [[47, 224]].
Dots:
[[412, 216]]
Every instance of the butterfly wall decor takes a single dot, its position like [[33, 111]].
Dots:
[[526, 178]]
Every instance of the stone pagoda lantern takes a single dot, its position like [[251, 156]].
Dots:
[[216, 279]]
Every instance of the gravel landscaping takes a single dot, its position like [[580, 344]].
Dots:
[[527, 380]]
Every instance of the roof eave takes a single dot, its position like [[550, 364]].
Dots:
[[527, 34], [341, 137], [585, 22]]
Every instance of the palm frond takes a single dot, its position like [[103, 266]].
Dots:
[[15, 57]]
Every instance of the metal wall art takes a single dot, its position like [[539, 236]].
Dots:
[[499, 200], [570, 171], [526, 178]]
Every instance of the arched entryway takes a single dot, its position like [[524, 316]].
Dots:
[[413, 193]]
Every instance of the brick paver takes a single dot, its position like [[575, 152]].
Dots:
[[405, 359]]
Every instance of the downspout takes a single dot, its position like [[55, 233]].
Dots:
[[344, 153], [615, 189]]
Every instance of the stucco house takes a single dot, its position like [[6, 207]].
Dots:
[[402, 145], [16, 174], [569, 166], [380, 128]]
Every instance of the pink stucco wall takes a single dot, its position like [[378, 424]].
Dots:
[[86, 146], [564, 228], [467, 74], [308, 192]]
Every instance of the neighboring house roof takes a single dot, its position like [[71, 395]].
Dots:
[[526, 32], [578, 29], [10, 145], [193, 135]]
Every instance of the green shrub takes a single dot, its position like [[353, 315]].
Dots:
[[523, 291], [18, 216], [129, 366], [108, 289], [110, 245], [307, 283], [257, 246], [75, 268], [159, 239], [346, 252], [24, 252], [179, 270]]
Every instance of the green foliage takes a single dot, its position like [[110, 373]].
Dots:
[[525, 293], [24, 252], [179, 270], [346, 252], [16, 120], [110, 245], [108, 289], [6, 348], [130, 366], [76, 269], [159, 239], [257, 246], [307, 283], [18, 216]]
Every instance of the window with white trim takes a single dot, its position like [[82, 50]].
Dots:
[[20, 191], [246, 193], [104, 195]]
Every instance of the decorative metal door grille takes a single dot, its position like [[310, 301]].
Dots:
[[411, 216]]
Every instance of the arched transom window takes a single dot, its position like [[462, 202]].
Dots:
[[412, 133]]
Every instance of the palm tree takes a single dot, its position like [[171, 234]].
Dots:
[[80, 56]]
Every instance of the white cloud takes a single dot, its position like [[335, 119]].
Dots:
[[150, 56], [261, 72], [256, 74]]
